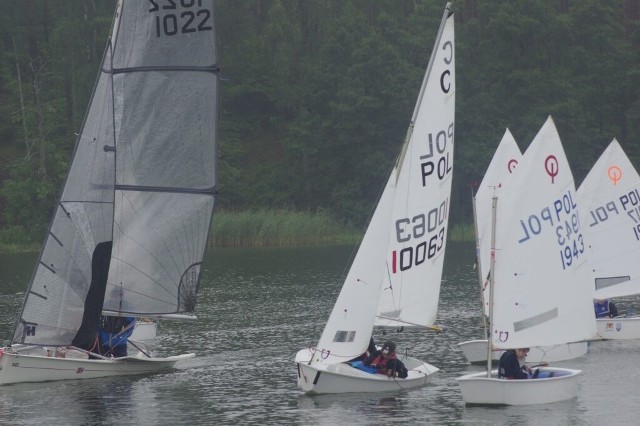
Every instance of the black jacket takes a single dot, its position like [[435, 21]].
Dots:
[[509, 367]]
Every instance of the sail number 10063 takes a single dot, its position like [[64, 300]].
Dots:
[[184, 22]]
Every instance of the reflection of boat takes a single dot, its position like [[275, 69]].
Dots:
[[538, 269], [502, 164], [129, 230], [610, 201], [404, 240]]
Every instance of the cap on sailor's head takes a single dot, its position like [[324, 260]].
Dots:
[[388, 348]]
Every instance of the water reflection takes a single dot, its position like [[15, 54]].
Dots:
[[257, 308]]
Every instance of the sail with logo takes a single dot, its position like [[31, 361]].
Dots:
[[502, 165], [610, 200], [405, 240], [129, 229], [538, 270]]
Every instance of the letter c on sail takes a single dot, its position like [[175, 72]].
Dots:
[[446, 89], [511, 165]]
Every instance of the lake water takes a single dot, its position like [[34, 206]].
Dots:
[[257, 308]]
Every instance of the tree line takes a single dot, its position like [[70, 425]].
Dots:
[[316, 95]]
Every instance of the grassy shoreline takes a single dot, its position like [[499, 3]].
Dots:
[[260, 228]]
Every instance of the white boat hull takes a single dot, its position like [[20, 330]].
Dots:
[[618, 328], [34, 365], [478, 389], [318, 378], [476, 352]]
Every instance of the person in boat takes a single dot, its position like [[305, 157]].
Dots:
[[386, 362], [605, 308], [113, 335], [511, 364]]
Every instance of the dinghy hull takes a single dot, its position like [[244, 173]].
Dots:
[[478, 389], [33, 365], [476, 352], [618, 328], [319, 378]]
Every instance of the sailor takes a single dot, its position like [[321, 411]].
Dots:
[[113, 334], [386, 361], [605, 308], [511, 365]]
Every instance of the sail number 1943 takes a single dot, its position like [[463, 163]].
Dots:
[[187, 21]]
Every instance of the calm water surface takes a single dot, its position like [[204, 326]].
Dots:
[[257, 308]]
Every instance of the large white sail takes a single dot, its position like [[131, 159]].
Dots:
[[541, 258], [502, 165], [416, 192], [131, 209], [609, 200], [420, 220]]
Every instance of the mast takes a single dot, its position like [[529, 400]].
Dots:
[[479, 268], [494, 205]]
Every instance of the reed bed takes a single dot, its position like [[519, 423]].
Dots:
[[261, 228], [462, 232]]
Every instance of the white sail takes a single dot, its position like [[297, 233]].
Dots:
[[503, 163], [348, 330], [137, 202], [541, 259], [420, 220], [609, 200], [414, 207]]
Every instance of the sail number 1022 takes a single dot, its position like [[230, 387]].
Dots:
[[187, 21]]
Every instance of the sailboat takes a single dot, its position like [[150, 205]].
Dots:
[[538, 269], [128, 233], [404, 242], [502, 165], [610, 201]]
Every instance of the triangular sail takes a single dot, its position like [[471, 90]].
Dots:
[[503, 163], [541, 260], [349, 327], [146, 156], [420, 221], [609, 200]]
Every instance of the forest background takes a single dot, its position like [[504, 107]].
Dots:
[[316, 97]]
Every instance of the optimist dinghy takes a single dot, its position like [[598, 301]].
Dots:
[[403, 246]]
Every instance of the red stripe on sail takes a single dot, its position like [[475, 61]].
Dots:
[[393, 261]]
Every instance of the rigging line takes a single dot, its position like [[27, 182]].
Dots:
[[393, 296]]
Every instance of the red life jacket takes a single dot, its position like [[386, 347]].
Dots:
[[381, 363]]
